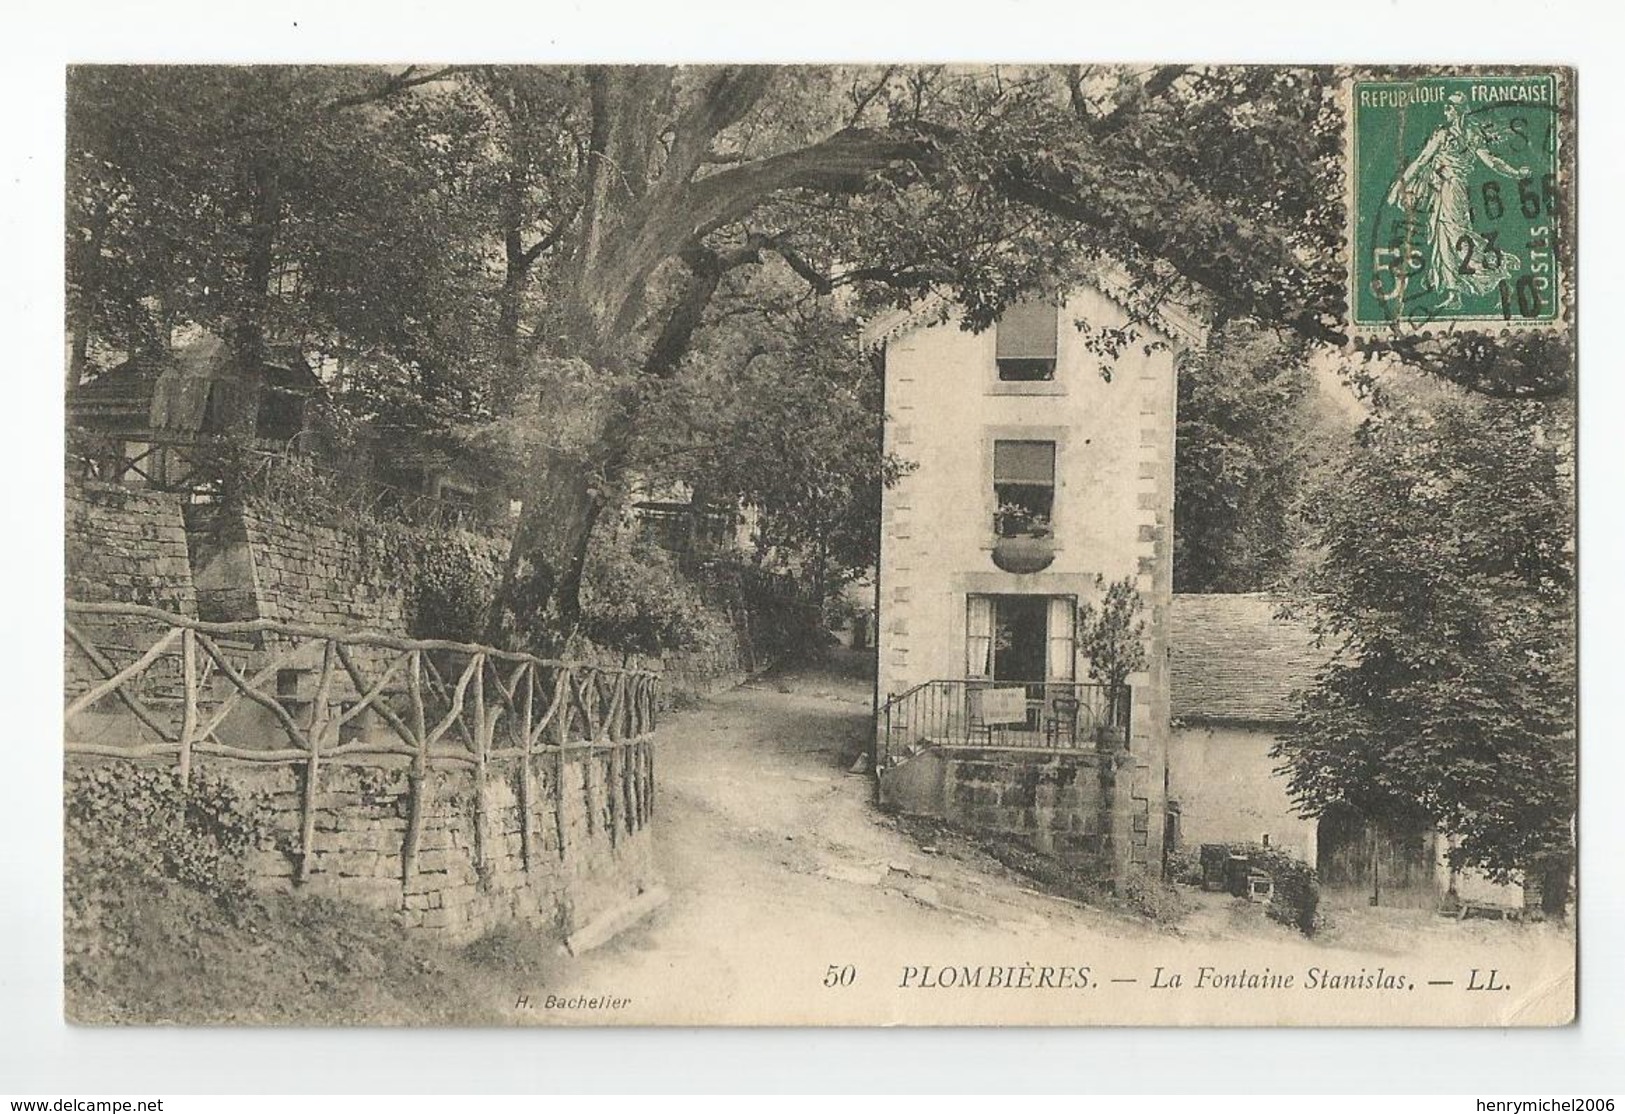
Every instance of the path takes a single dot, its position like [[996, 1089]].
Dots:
[[779, 866]]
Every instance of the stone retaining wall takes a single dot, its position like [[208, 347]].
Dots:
[[132, 545], [590, 837], [127, 545], [1068, 803]]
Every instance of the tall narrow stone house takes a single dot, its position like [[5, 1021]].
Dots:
[[1040, 475]]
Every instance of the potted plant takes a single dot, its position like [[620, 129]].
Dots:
[[1023, 539], [1112, 635]]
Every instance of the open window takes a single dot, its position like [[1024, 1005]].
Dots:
[[1020, 639], [1025, 342], [1023, 488]]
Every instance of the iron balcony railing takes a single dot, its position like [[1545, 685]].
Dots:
[[1060, 715]]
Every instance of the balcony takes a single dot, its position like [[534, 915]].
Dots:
[[1041, 715], [1023, 542]]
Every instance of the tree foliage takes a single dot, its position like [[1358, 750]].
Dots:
[[1252, 430], [458, 232], [270, 204], [1446, 590], [1112, 636], [636, 601], [778, 411]]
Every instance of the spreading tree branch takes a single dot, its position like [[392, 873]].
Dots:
[[706, 267], [552, 237], [408, 78]]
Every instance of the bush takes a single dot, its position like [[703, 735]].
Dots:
[[785, 623], [1295, 897], [453, 580], [130, 830], [1183, 867], [140, 820], [1295, 891], [635, 600], [1151, 897]]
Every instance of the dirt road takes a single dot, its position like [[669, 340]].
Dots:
[[783, 875]]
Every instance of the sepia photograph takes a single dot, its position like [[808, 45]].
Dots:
[[820, 545]]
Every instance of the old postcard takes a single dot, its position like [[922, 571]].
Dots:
[[1060, 545]]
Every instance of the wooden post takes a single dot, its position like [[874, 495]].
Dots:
[[612, 772], [629, 783], [189, 705], [634, 753], [645, 790], [649, 756], [526, 774], [420, 771], [627, 753], [482, 748], [611, 790], [319, 718], [561, 733], [587, 701]]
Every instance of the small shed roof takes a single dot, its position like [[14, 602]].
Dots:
[[170, 391], [1232, 659]]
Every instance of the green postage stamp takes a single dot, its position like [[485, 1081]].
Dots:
[[1456, 201]]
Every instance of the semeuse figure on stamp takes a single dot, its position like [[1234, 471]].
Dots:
[[1435, 186]]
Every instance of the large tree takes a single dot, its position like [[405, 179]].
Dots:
[[589, 216], [1446, 591]]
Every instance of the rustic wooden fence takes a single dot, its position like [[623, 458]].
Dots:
[[149, 684]]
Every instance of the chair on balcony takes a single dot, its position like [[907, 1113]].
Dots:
[[1061, 721]]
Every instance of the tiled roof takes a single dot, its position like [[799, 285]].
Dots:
[[1233, 659]]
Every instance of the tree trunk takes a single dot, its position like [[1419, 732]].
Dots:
[[516, 263], [508, 305], [1546, 886], [539, 605], [633, 220], [248, 334]]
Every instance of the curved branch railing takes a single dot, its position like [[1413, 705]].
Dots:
[[185, 690]]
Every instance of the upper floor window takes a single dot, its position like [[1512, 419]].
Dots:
[[1025, 342], [1023, 488]]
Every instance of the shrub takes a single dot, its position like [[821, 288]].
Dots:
[[130, 829], [1295, 891], [1184, 867], [785, 623], [1151, 897], [453, 579], [1112, 636], [1295, 898], [140, 820], [635, 600]]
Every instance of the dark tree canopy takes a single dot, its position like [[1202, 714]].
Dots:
[[461, 231], [270, 204], [1447, 592], [1255, 429]]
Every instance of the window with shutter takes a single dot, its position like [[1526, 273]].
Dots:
[[1025, 342], [1023, 487]]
